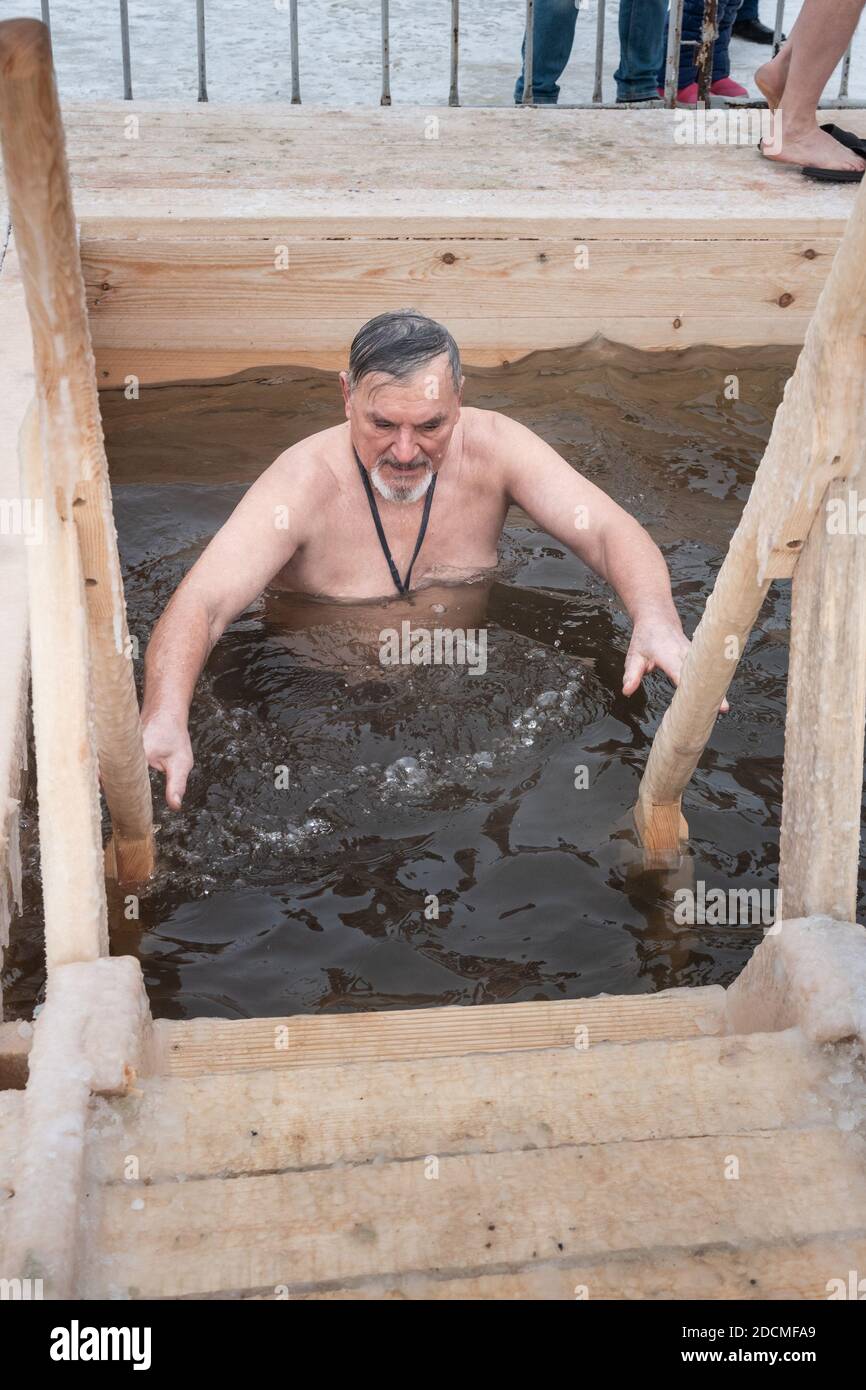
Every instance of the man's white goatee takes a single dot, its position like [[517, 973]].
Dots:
[[395, 493]]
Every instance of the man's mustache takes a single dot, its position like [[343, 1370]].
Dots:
[[395, 463]]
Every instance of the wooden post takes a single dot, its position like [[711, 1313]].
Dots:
[[73, 886], [824, 724], [75, 479], [816, 439]]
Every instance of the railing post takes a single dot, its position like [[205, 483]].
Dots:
[[453, 93], [385, 98], [819, 854], [74, 472], [816, 439], [672, 57]]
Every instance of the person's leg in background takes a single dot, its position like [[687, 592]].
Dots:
[[641, 49], [722, 85], [748, 26], [794, 81], [693, 20], [553, 24]]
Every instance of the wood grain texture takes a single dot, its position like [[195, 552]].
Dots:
[[819, 852], [816, 437], [71, 453], [483, 1213], [210, 1045]]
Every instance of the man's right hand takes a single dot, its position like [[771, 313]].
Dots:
[[168, 749]]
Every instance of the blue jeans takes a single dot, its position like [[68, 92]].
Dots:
[[693, 15], [553, 24], [641, 48], [640, 37], [749, 10]]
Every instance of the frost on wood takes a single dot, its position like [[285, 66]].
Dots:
[[810, 973], [88, 1038]]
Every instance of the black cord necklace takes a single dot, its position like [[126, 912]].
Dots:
[[401, 584]]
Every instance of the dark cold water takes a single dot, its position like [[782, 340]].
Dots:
[[426, 781]]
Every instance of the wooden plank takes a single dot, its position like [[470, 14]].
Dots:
[[188, 294], [484, 1213], [270, 1121], [482, 344], [787, 1269], [70, 474], [136, 213], [209, 1045], [826, 710], [295, 147], [20, 532], [625, 169]]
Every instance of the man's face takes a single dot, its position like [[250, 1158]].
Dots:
[[402, 429]]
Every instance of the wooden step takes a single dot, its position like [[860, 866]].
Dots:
[[495, 1214], [269, 1121], [785, 1269], [206, 1045]]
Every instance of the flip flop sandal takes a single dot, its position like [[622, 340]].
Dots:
[[833, 175], [847, 138], [811, 171]]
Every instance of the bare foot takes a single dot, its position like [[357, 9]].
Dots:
[[770, 81], [813, 149]]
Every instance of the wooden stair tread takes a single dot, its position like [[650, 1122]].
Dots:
[[267, 1121], [208, 1045], [783, 1269], [484, 1213]]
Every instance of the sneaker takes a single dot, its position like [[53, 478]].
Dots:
[[686, 96], [727, 87]]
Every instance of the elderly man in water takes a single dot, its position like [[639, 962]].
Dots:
[[407, 498]]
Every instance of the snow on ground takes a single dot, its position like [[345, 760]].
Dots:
[[248, 50]]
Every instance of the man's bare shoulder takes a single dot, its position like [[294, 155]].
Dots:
[[312, 465], [492, 437]]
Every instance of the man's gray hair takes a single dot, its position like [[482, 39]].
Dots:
[[399, 343]]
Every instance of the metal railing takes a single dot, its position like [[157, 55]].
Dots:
[[674, 45]]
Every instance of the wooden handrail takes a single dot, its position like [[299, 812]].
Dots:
[[74, 470], [816, 441]]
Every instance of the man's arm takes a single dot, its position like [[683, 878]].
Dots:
[[580, 515], [240, 561]]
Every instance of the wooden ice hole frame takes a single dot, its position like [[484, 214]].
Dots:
[[84, 703]]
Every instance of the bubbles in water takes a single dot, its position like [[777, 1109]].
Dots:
[[406, 772]]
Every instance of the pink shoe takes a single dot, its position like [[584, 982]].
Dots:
[[686, 96], [727, 87]]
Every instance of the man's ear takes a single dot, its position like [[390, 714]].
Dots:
[[346, 390]]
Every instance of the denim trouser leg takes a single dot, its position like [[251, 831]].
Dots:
[[641, 48], [553, 24], [748, 10], [693, 15]]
